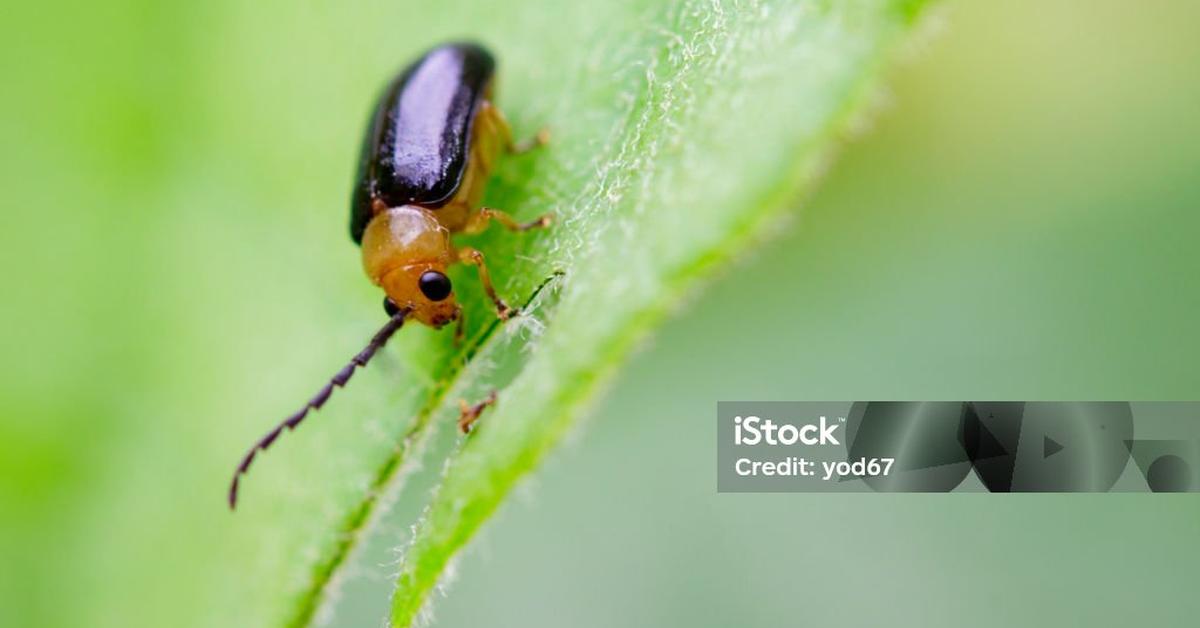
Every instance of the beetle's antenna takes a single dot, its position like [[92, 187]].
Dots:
[[380, 338]]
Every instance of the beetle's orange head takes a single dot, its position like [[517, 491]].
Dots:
[[426, 290], [406, 252]]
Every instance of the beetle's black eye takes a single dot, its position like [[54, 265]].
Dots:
[[434, 285], [390, 307]]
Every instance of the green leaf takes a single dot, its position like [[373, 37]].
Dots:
[[681, 131]]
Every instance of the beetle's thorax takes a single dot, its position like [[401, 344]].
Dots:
[[398, 246]]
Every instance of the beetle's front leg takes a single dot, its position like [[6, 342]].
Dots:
[[460, 327], [485, 215], [474, 257]]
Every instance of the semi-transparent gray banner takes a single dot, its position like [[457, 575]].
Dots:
[[942, 446]]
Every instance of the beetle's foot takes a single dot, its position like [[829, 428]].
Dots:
[[505, 312], [469, 414], [540, 139], [541, 223]]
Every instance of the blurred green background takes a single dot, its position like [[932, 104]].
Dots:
[[1020, 223]]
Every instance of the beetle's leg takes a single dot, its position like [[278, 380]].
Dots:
[[470, 413], [480, 221], [472, 256], [541, 138], [460, 327], [511, 145]]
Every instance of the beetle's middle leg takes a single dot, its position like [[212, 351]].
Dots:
[[474, 257], [479, 221]]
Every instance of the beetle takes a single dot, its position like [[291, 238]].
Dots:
[[431, 143]]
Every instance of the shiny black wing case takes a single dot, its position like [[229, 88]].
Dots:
[[417, 143]]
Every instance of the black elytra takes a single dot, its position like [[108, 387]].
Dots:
[[415, 150]]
